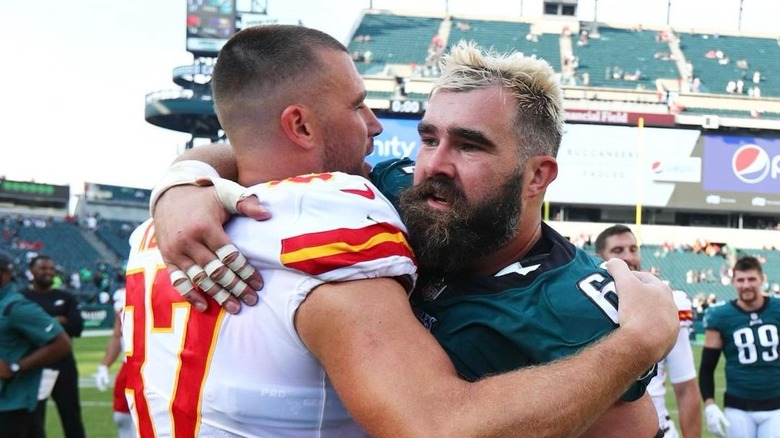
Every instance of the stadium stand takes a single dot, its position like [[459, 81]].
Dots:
[[624, 58], [115, 234], [391, 39], [720, 112], [718, 59], [695, 273], [503, 36]]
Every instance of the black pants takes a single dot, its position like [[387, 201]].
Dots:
[[66, 397], [21, 423]]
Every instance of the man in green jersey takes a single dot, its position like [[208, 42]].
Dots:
[[29, 340], [747, 331]]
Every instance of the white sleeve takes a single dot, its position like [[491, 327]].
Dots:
[[679, 362]]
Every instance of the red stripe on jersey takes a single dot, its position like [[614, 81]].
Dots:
[[348, 236], [197, 348], [194, 363], [317, 253], [303, 179], [134, 301], [366, 193], [320, 265], [685, 315]]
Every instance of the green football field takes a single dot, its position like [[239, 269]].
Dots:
[[98, 413]]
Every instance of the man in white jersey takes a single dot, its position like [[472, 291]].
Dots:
[[253, 375], [619, 241], [334, 317], [115, 347]]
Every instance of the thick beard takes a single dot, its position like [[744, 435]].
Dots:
[[451, 240]]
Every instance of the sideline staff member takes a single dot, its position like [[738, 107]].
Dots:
[[29, 339], [64, 307]]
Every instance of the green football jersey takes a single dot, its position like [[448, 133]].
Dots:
[[750, 345], [552, 304]]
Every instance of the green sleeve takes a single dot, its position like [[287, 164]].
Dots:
[[391, 177]]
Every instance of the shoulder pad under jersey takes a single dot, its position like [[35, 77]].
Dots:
[[391, 177]]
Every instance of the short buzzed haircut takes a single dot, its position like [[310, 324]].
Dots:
[[260, 60]]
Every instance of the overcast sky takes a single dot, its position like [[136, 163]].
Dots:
[[75, 72]]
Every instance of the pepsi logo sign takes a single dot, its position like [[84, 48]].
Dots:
[[752, 164]]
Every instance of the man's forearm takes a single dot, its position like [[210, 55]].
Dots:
[[566, 397], [49, 353], [689, 404], [217, 155]]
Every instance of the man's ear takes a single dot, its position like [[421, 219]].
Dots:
[[541, 170], [299, 125]]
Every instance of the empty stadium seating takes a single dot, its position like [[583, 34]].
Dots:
[[502, 36], [617, 53], [673, 266], [115, 234], [394, 39], [761, 54]]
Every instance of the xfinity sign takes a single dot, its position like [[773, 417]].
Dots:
[[399, 139]]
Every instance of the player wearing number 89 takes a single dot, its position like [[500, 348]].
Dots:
[[746, 330]]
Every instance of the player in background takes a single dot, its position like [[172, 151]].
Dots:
[[747, 331], [620, 242], [114, 348]]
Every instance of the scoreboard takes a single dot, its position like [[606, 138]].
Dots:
[[34, 194]]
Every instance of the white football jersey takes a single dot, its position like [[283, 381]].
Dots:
[[678, 364], [250, 374]]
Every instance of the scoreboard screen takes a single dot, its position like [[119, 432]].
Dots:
[[210, 23], [33, 193]]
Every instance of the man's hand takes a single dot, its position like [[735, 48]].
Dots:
[[101, 378], [188, 222], [647, 310], [716, 421]]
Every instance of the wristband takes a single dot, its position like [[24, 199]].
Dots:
[[182, 173], [229, 193]]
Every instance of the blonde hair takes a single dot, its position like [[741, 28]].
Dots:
[[538, 120]]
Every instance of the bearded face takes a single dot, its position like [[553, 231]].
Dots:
[[451, 239]]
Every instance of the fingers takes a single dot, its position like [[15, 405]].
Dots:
[[181, 282], [224, 278], [619, 270], [237, 263], [250, 206], [206, 284], [188, 227], [646, 308], [235, 274]]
